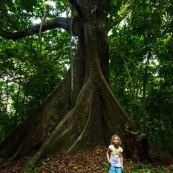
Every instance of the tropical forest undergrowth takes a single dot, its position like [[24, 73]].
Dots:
[[85, 162]]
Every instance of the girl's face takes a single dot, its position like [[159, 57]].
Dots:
[[116, 141]]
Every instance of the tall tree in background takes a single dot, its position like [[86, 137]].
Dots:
[[82, 111]]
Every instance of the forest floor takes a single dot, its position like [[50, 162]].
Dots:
[[85, 162]]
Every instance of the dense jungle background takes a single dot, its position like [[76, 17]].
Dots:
[[35, 59]]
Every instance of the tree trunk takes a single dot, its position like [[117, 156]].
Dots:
[[81, 118]]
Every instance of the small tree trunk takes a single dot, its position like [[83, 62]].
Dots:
[[136, 145]]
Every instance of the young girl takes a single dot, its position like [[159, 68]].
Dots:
[[114, 155]]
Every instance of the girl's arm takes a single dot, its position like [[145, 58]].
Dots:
[[108, 155], [121, 160]]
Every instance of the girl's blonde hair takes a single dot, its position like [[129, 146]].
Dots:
[[112, 140]]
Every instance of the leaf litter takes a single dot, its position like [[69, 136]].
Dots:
[[83, 162]]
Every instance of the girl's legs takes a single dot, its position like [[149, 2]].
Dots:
[[118, 170], [115, 170], [112, 169]]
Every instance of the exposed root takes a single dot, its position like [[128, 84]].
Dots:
[[62, 131], [80, 137], [50, 111]]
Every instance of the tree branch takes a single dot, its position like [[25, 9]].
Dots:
[[60, 22], [123, 14]]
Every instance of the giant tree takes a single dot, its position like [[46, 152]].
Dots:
[[82, 111]]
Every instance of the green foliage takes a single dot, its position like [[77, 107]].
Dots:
[[27, 5], [141, 168], [25, 79], [145, 30], [33, 168], [107, 166]]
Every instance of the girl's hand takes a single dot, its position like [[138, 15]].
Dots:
[[109, 162], [122, 167]]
